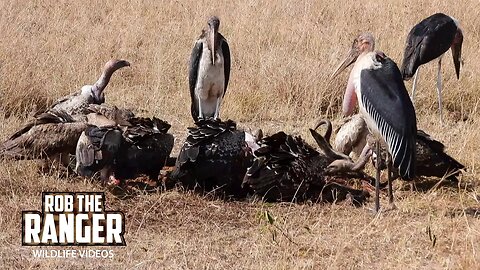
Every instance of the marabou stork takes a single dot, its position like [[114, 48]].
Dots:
[[428, 40], [209, 72], [376, 83]]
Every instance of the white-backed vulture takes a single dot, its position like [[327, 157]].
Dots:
[[286, 168], [51, 135], [215, 157], [138, 146], [55, 133], [432, 160]]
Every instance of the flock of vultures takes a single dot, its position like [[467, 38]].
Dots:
[[115, 145]]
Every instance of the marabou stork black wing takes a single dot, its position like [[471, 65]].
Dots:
[[213, 157], [193, 75], [426, 41], [432, 159], [144, 127], [386, 100], [226, 62]]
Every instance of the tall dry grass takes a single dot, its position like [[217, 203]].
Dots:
[[283, 53]]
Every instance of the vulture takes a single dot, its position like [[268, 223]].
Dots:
[[78, 103], [119, 152], [215, 157], [431, 157], [351, 136], [432, 161], [97, 150], [51, 135], [286, 168]]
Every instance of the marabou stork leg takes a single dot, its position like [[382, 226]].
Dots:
[[200, 113], [217, 108], [415, 80], [377, 178], [389, 179], [439, 88]]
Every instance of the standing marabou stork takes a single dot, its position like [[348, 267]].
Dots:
[[209, 72], [376, 82], [428, 40]]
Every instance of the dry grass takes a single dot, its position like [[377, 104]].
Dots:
[[283, 53]]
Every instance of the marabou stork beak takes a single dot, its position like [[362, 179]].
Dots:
[[212, 40], [457, 51], [352, 57]]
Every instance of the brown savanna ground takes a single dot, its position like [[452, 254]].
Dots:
[[283, 53]]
